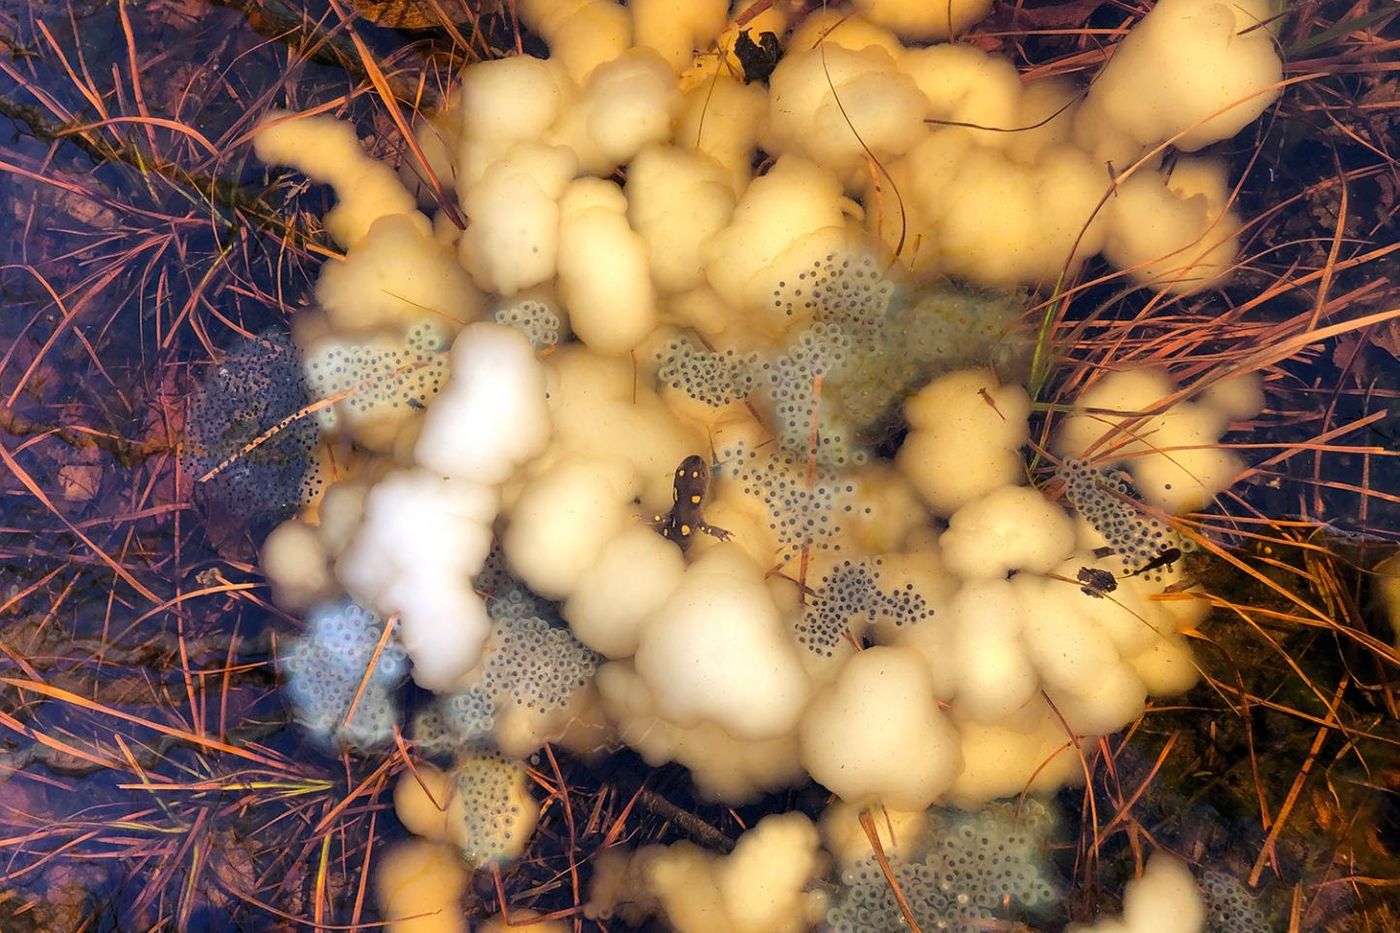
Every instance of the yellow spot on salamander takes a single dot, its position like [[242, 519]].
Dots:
[[685, 529]]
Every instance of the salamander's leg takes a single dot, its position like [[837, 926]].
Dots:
[[714, 532]]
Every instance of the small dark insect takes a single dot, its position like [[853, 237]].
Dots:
[[758, 58], [1165, 559], [1097, 583], [687, 515]]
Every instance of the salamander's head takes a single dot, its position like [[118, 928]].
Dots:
[[693, 473]]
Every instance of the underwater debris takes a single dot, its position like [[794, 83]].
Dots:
[[758, 59], [247, 434], [1096, 581]]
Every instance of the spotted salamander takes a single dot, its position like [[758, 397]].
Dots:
[[687, 517]]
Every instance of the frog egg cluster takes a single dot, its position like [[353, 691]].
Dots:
[[850, 291], [883, 343], [258, 391], [531, 662], [1230, 906], [1103, 497], [431, 734], [470, 714], [535, 318], [804, 512], [922, 334], [454, 722], [379, 376], [713, 377], [847, 297], [323, 669], [869, 346], [952, 327], [489, 786], [793, 381], [494, 576], [850, 592], [975, 866]]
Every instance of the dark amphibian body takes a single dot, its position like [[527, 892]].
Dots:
[[1100, 582], [1096, 582], [1165, 559], [687, 516]]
